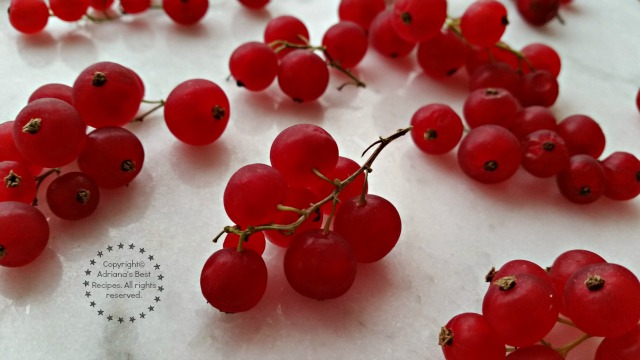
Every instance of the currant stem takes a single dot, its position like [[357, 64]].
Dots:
[[40, 178], [570, 346], [305, 213], [568, 322], [160, 103]]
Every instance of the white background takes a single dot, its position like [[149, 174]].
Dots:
[[454, 229]]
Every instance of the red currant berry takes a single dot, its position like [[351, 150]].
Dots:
[[56, 91], [583, 135], [542, 57], [484, 22], [442, 55], [8, 150], [101, 5], [185, 12], [24, 233], [538, 87], [73, 196], [384, 38], [582, 182], [256, 242], [69, 10], [197, 112], [254, 65], [532, 118], [297, 198], [344, 169], [437, 128], [622, 176], [603, 299], [468, 336], [490, 106], [489, 154], [519, 267], [18, 184], [361, 12], [28, 16], [234, 281], [544, 153], [623, 347], [320, 265], [538, 12], [112, 157], [135, 6], [303, 76], [495, 75], [286, 28], [418, 20], [345, 44], [254, 4]]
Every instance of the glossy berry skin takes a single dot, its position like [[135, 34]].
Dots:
[[233, 281], [372, 226], [442, 55], [69, 10], [320, 265], [298, 198], [603, 299], [197, 112], [101, 5], [186, 12], [135, 6], [49, 132], [17, 182], [566, 264], [495, 75], [384, 38], [489, 154], [468, 336], [437, 129], [254, 4], [623, 347], [303, 76], [299, 149], [253, 193], [28, 16], [542, 57], [538, 12], [538, 87], [73, 196], [490, 106], [286, 28], [256, 242], [534, 352], [58, 91], [582, 182], [622, 176], [583, 135], [532, 118], [346, 44], [544, 153], [8, 150], [484, 22], [24, 233], [519, 267], [418, 20], [520, 309], [106, 94], [254, 65], [112, 157], [362, 12]]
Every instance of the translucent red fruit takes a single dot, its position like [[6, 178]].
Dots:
[[28, 16], [418, 20], [542, 57], [535, 352], [254, 4], [17, 182], [494, 75], [112, 157], [362, 12], [582, 181], [603, 299], [538, 87], [58, 91], [254, 65], [253, 193], [518, 267], [531, 119], [197, 112], [185, 12], [256, 242], [520, 309], [320, 265], [544, 153], [538, 12], [297, 198], [299, 149], [286, 28], [73, 196], [371, 226], [566, 264], [106, 94], [622, 176], [49, 132], [468, 336], [484, 22], [303, 75], [490, 106], [489, 154], [135, 6], [345, 44], [69, 10], [623, 347], [437, 128], [442, 55], [583, 135], [8, 150], [233, 281], [384, 38], [24, 233]]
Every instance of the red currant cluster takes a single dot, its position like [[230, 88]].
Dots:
[[32, 16], [523, 303], [540, 12], [51, 132], [286, 202], [287, 54]]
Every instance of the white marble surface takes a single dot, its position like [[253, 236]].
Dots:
[[454, 229]]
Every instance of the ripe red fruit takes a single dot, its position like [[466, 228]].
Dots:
[[384, 38], [372, 226], [233, 281], [298, 198], [320, 265], [583, 135], [437, 128], [346, 44], [16, 182], [362, 12], [69, 10], [254, 65], [24, 233], [442, 55], [538, 87], [538, 12], [303, 75], [286, 28], [582, 182], [490, 106], [185, 12], [484, 22], [622, 176], [623, 347], [135, 6], [8, 150], [73, 196], [418, 20], [544, 153], [57, 91], [28, 16], [542, 57], [256, 242], [197, 112], [254, 4], [468, 336], [531, 119]]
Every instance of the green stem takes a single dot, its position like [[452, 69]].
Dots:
[[160, 103], [570, 346], [40, 178]]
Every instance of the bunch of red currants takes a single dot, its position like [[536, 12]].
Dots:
[[286, 202]]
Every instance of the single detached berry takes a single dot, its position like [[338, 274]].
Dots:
[[73, 196], [28, 16], [468, 336], [437, 128], [24, 233]]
